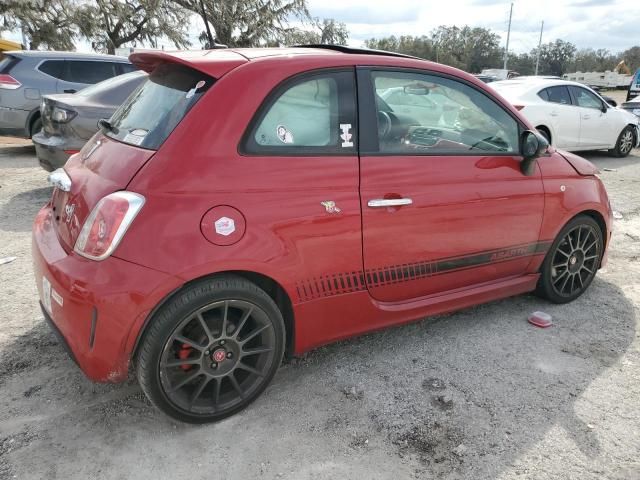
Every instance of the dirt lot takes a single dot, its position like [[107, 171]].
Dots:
[[476, 395]]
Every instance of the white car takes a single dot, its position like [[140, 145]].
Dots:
[[572, 116]]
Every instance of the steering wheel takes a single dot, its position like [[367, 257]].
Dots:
[[384, 124]]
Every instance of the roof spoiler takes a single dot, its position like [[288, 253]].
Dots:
[[214, 63], [356, 51]]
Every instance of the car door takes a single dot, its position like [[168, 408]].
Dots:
[[563, 115], [302, 152], [444, 205], [595, 124], [80, 73]]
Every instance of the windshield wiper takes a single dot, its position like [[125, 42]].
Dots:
[[105, 126]]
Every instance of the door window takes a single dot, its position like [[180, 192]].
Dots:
[[558, 94], [427, 114], [313, 114], [585, 98], [89, 72]]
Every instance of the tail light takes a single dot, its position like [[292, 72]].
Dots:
[[518, 107], [8, 82], [106, 225]]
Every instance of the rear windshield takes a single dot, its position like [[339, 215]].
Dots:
[[156, 107], [109, 84]]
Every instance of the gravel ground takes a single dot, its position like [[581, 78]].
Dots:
[[479, 394]]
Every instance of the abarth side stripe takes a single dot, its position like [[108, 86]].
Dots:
[[350, 282]]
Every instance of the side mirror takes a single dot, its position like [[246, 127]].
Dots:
[[532, 146]]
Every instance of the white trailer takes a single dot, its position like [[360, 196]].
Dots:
[[606, 79]]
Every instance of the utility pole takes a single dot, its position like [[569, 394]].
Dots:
[[506, 50], [539, 44]]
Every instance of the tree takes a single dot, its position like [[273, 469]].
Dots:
[[470, 49], [247, 23], [555, 57], [589, 60], [421, 47], [631, 57], [51, 24], [326, 31], [524, 63], [109, 24]]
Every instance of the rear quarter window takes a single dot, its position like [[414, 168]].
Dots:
[[544, 95], [155, 108], [53, 68]]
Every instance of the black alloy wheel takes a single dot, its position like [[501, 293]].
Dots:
[[216, 358], [572, 261]]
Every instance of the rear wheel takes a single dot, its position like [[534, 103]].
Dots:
[[626, 142], [211, 350], [572, 262], [36, 126]]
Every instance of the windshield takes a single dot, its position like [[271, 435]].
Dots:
[[108, 84], [156, 107]]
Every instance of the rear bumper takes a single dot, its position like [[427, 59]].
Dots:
[[96, 307], [50, 150]]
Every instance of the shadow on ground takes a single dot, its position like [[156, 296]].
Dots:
[[18, 213], [19, 156], [457, 396]]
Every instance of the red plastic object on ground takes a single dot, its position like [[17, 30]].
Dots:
[[540, 319]]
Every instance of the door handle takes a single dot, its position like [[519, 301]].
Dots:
[[69, 90], [586, 117], [553, 114], [389, 202]]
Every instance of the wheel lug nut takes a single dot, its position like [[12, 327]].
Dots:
[[222, 342], [214, 365], [229, 354]]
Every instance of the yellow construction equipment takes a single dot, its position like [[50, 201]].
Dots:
[[622, 68]]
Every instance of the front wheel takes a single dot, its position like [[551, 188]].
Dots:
[[625, 143], [211, 350], [572, 262]]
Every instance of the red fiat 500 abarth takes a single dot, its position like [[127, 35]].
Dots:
[[250, 202]]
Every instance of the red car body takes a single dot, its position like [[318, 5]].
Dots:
[[478, 229]]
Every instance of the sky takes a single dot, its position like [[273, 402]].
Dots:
[[610, 24]]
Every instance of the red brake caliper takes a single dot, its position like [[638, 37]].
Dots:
[[183, 354]]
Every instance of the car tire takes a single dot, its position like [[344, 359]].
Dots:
[[572, 261], [625, 143], [211, 349], [36, 126]]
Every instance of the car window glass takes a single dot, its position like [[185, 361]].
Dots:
[[559, 94], [156, 107], [89, 72], [113, 86], [304, 115], [431, 114], [585, 98], [544, 95], [127, 67], [55, 68], [310, 115]]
